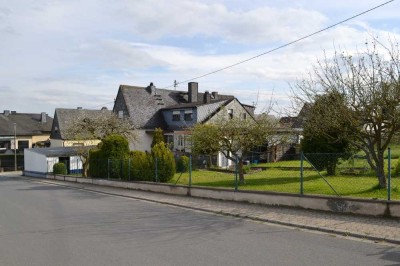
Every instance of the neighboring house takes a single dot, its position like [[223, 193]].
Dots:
[[64, 119], [173, 111], [40, 161], [290, 131], [29, 130]]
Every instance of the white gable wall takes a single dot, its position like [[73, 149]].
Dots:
[[35, 162]]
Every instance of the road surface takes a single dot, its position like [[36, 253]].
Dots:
[[43, 224]]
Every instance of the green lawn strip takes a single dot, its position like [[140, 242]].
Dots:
[[283, 180]]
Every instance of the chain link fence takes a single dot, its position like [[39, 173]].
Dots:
[[340, 175]]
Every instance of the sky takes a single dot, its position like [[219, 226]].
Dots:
[[68, 54]]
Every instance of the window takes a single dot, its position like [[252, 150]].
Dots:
[[120, 114], [176, 116], [23, 144], [230, 113], [188, 115], [181, 141], [244, 116]]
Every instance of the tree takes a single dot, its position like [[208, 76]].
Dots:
[[204, 136], [369, 84], [330, 141], [234, 137], [157, 137], [97, 127]]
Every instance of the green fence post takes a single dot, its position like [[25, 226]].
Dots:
[[190, 170], [389, 172], [236, 173], [108, 168], [301, 173], [156, 170], [129, 169]]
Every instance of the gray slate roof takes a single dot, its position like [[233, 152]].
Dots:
[[144, 106], [64, 118], [27, 124]]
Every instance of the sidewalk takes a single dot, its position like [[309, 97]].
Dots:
[[364, 227]]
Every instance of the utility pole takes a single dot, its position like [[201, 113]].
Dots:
[[15, 146]]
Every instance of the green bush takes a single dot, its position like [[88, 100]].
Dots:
[[164, 161], [182, 165], [142, 166], [111, 159], [115, 147], [246, 169], [59, 169]]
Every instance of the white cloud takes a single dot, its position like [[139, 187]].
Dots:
[[76, 53]]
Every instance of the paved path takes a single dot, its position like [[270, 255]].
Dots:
[[364, 227]]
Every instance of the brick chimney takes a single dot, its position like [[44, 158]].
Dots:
[[215, 95], [193, 91]]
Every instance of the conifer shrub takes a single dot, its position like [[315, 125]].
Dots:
[[157, 137], [164, 161], [142, 166]]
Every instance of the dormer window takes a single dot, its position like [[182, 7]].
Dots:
[[188, 115], [176, 115], [230, 113]]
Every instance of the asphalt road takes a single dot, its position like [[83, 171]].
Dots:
[[42, 224]]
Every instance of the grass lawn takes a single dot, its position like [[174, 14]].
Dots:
[[288, 180]]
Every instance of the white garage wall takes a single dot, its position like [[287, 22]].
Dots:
[[34, 162]]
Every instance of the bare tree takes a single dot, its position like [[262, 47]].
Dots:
[[234, 137], [92, 128], [368, 113]]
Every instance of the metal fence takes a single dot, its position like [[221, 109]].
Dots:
[[340, 175], [7, 162]]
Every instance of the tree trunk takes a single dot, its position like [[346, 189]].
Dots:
[[380, 171], [240, 170], [85, 167], [210, 160]]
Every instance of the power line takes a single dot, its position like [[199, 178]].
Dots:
[[282, 46], [100, 105]]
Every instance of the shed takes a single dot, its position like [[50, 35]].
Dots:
[[41, 160]]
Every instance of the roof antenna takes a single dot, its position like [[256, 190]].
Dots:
[[175, 84]]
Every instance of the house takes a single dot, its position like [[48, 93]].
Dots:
[[173, 111], [64, 119], [39, 161], [23, 130], [289, 135]]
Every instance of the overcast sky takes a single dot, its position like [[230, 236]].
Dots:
[[76, 53]]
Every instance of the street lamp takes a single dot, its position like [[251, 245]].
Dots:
[[15, 146]]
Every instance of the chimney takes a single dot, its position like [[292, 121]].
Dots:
[[43, 117], [207, 97], [6, 112], [215, 95], [193, 90], [151, 88]]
